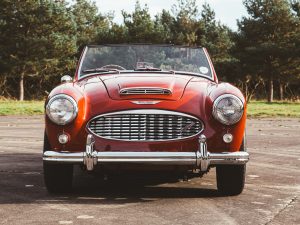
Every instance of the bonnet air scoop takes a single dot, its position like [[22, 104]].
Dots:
[[145, 91], [145, 86]]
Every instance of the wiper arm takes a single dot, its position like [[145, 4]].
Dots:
[[99, 70], [189, 73], [148, 69]]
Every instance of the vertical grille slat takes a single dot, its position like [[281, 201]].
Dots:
[[145, 125]]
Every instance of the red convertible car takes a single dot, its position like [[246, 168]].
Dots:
[[144, 108]]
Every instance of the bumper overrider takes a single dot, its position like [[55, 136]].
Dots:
[[201, 159]]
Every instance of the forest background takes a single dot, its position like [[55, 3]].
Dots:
[[41, 40]]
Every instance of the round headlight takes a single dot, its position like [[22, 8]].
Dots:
[[228, 109], [62, 109]]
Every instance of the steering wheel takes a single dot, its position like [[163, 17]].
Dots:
[[113, 67]]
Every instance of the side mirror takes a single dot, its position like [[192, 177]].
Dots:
[[66, 79]]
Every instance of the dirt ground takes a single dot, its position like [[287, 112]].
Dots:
[[271, 195]]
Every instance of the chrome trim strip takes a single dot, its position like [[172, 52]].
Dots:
[[208, 59], [147, 112], [227, 158], [146, 102], [163, 158], [79, 77], [65, 157]]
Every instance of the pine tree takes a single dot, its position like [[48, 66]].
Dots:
[[90, 24], [37, 38], [139, 25], [186, 23], [266, 40], [217, 39]]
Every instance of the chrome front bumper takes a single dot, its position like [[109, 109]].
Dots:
[[200, 159]]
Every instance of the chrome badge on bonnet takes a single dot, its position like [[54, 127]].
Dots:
[[145, 102]]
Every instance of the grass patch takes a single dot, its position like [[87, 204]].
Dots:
[[275, 109], [28, 108], [255, 108]]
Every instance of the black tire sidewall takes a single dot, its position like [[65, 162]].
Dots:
[[231, 178], [58, 178]]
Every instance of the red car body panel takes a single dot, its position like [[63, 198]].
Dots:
[[193, 95]]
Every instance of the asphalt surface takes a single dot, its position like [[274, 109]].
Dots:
[[271, 195]]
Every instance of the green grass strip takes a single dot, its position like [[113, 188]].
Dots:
[[255, 108], [27, 108]]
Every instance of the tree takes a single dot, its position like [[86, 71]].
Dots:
[[116, 34], [217, 39], [186, 23], [266, 40], [164, 23], [37, 38], [140, 27], [90, 24]]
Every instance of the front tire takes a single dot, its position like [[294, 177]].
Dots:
[[231, 178], [58, 177]]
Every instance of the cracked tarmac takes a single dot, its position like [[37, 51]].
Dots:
[[271, 194]]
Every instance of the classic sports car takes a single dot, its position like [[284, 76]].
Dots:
[[144, 108]]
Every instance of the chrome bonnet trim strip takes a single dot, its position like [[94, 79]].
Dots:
[[145, 102]]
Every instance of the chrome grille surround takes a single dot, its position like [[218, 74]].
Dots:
[[145, 91], [145, 125]]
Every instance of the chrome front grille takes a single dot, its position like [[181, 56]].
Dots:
[[145, 91], [145, 125]]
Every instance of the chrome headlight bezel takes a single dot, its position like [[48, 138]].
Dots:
[[68, 98], [222, 119]]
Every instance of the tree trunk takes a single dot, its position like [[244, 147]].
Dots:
[[281, 88], [271, 90], [246, 91], [21, 96]]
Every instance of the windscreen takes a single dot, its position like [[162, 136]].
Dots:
[[144, 58]]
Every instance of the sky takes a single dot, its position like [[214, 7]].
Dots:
[[227, 11]]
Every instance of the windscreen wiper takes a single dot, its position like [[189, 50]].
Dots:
[[99, 70], [148, 69]]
